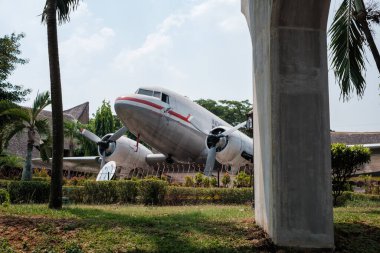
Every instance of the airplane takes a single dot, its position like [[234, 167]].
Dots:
[[182, 130], [179, 128], [115, 150]]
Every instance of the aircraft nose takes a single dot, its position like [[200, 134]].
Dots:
[[123, 109]]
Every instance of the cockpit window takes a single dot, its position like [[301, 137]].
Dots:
[[157, 94], [165, 98], [145, 92]]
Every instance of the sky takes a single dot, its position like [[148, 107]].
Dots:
[[198, 48]]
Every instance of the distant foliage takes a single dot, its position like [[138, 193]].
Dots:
[[233, 112], [344, 163], [104, 120]]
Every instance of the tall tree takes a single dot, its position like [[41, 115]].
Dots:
[[233, 112], [52, 9], [104, 120], [9, 52], [350, 32]]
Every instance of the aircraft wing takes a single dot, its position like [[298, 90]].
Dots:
[[152, 159], [90, 162]]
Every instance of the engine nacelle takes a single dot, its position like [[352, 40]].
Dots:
[[236, 149], [125, 152]]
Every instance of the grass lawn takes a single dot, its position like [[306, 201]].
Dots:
[[202, 228]]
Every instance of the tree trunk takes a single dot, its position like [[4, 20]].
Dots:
[[362, 19], [55, 201], [27, 171]]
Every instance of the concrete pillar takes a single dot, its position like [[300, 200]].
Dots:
[[291, 121]]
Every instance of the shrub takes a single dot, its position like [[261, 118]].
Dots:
[[214, 182], [41, 173], [152, 191], [4, 197], [206, 182], [29, 191], [198, 179], [226, 180], [242, 180], [189, 182], [344, 163]]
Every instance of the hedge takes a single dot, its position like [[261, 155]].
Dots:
[[106, 192], [29, 191], [189, 196], [152, 191]]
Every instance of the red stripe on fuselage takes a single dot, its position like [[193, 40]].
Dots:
[[141, 101], [186, 119]]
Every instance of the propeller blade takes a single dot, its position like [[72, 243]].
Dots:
[[210, 161], [103, 160], [89, 135], [118, 134], [231, 130]]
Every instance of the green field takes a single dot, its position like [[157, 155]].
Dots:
[[132, 228]]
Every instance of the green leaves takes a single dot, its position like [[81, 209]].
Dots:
[[64, 7], [347, 50]]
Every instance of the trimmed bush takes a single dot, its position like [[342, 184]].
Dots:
[[152, 191], [29, 191], [188, 196], [74, 194], [103, 192], [4, 197], [127, 191]]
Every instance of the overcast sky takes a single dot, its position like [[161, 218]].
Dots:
[[199, 48]]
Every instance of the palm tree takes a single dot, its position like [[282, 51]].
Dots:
[[349, 32], [12, 117], [15, 119], [71, 131], [49, 15], [34, 125]]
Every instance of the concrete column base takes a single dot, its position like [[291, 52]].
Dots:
[[293, 200]]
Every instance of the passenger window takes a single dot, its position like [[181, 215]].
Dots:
[[146, 92], [165, 98], [157, 94]]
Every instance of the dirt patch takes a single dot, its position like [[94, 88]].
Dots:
[[24, 234]]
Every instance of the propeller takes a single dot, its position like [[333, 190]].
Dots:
[[214, 141], [104, 142]]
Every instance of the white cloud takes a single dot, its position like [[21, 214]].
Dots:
[[157, 41], [233, 24]]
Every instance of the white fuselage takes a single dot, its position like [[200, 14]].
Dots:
[[160, 118]]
